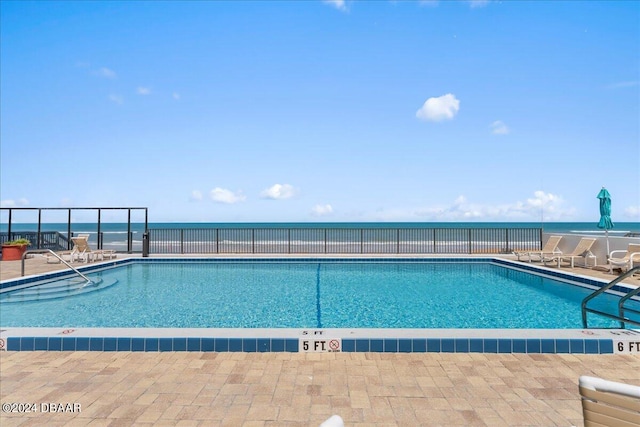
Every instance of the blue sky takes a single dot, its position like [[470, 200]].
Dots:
[[323, 111]]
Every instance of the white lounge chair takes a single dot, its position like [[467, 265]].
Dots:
[[65, 255], [582, 250], [52, 259], [631, 255], [550, 249], [609, 403], [82, 252], [333, 421]]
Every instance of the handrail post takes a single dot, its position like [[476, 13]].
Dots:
[[24, 255], [600, 291], [624, 299], [507, 242], [98, 232], [39, 236], [69, 236], [325, 240], [9, 225], [434, 242], [145, 244], [129, 233]]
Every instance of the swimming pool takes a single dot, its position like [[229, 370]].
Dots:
[[310, 295], [307, 294]]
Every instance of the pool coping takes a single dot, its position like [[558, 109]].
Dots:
[[543, 341]]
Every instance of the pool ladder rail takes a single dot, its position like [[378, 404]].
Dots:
[[623, 299], [43, 251]]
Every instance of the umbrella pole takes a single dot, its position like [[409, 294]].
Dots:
[[606, 233]]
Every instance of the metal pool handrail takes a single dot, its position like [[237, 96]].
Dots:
[[41, 251], [621, 309]]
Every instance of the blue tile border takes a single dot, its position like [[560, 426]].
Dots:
[[377, 346], [208, 344], [419, 345], [490, 345], [405, 345], [55, 344], [533, 345], [476, 345], [360, 345], [277, 345], [433, 345], [179, 344], [505, 346], [165, 344], [221, 344], [123, 344]]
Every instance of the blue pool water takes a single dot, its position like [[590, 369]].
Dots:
[[324, 294]]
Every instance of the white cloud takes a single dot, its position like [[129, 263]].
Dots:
[[10, 203], [196, 195], [633, 212], [279, 192], [321, 210], [619, 85], [143, 91], [176, 95], [542, 206], [444, 107], [118, 99], [478, 3], [540, 199], [338, 4], [106, 73], [472, 3], [499, 128], [221, 195]]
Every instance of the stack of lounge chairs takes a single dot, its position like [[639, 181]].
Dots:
[[550, 249], [582, 250], [623, 260]]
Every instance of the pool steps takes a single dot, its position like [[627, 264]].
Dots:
[[56, 289]]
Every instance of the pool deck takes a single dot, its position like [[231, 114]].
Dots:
[[299, 389]]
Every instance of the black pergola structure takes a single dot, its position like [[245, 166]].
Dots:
[[38, 244]]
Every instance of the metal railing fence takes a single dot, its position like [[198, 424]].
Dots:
[[342, 240], [53, 240]]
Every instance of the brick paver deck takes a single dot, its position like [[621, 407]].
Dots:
[[296, 389]]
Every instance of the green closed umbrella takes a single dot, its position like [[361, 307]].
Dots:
[[605, 214]]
